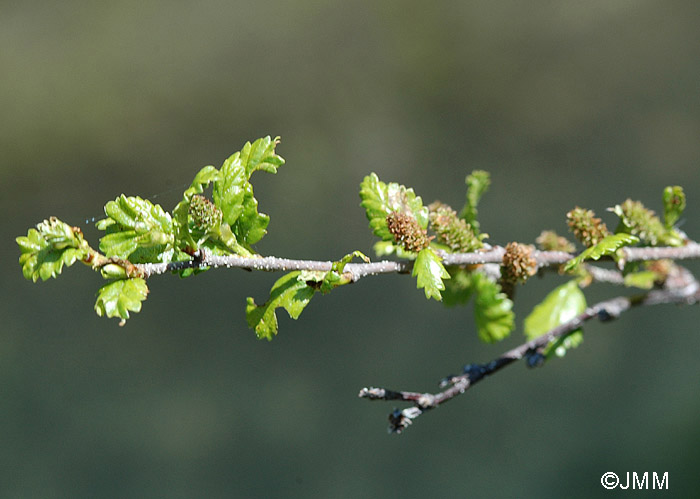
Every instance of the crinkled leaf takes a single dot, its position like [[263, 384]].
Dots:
[[607, 246], [234, 195], [561, 305], [46, 249], [493, 310], [379, 200], [290, 292], [429, 271], [118, 298], [674, 204], [251, 226], [134, 223], [478, 183]]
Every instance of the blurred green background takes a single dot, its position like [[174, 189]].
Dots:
[[565, 103]]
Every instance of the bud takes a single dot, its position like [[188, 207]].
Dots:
[[113, 271]]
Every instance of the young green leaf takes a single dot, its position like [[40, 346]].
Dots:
[[478, 183], [233, 193], [118, 298], [46, 249], [335, 277], [561, 305], [290, 292], [644, 279], [135, 223], [674, 204], [429, 271], [493, 310], [608, 246], [381, 200]]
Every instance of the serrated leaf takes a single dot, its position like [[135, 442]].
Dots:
[[118, 298], [233, 193], [46, 249], [289, 292], [674, 204], [135, 223], [251, 226], [478, 183], [379, 200], [231, 188], [493, 310], [429, 271], [607, 246]]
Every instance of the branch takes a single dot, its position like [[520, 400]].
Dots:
[[359, 270], [684, 289]]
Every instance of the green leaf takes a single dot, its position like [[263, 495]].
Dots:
[[46, 249], [674, 204], [493, 310], [429, 271], [251, 226], [233, 193], [290, 292], [339, 265], [118, 298], [135, 223], [607, 246], [458, 289], [335, 277], [644, 279], [379, 200], [478, 183], [561, 305]]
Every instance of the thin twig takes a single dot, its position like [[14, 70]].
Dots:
[[359, 270], [686, 290]]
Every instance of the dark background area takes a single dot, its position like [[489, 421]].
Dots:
[[564, 103]]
